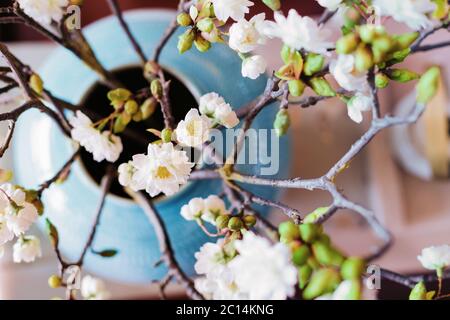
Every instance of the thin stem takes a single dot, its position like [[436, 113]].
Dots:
[[9, 135]]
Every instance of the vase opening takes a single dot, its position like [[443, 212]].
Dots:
[[136, 139]]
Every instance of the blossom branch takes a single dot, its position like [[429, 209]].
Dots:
[[9, 135]]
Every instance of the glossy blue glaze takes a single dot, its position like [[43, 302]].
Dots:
[[124, 226]]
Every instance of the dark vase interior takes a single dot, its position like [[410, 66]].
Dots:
[[136, 141]]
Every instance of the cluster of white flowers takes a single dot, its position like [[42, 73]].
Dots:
[[94, 289], [194, 130], [413, 13], [234, 9], [163, 169], [259, 271], [103, 145], [44, 11], [343, 70], [331, 5], [16, 217], [214, 107], [205, 209], [435, 257]]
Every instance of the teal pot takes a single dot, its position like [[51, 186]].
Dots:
[[41, 149]]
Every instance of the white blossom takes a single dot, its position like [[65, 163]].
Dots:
[[214, 206], [44, 11], [343, 70], [194, 209], [263, 271], [194, 130], [234, 9], [253, 67], [299, 32], [2, 251], [215, 107], [357, 105], [18, 213], [342, 292], [103, 145], [94, 289], [6, 234], [163, 169], [435, 257], [331, 5], [411, 12], [209, 258], [27, 249], [245, 35]]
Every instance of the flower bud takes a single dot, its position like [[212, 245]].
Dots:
[[119, 94], [138, 117], [205, 25], [352, 268], [275, 5], [315, 215], [402, 75], [322, 281], [289, 230], [304, 273], [347, 44], [324, 238], [282, 122], [148, 108], [419, 292], [301, 255], [156, 89], [235, 224], [119, 126], [404, 41], [326, 255], [184, 19], [249, 220], [363, 59], [126, 118], [428, 85], [54, 281], [309, 232], [383, 43], [313, 64], [378, 55], [131, 107], [313, 263], [296, 87], [36, 84], [185, 41], [202, 44], [322, 87], [367, 33], [222, 221], [381, 80], [166, 135]]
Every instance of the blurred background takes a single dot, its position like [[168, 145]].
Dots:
[[415, 209]]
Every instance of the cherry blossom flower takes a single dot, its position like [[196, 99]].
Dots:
[[215, 107], [103, 145], [331, 5], [94, 289], [44, 11], [435, 257], [234, 9], [6, 234], [358, 104], [299, 32], [194, 209], [27, 249], [214, 206], [253, 67], [245, 35], [194, 130]]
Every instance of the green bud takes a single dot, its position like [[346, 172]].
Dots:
[[402, 75], [301, 255], [119, 126], [313, 263], [120, 95], [235, 224], [156, 89], [404, 41], [289, 230], [347, 44], [442, 9], [313, 64], [282, 122], [126, 118], [131, 107], [326, 255], [222, 221], [419, 292], [304, 273], [54, 281], [138, 117], [249, 220], [148, 108], [205, 25], [275, 5], [286, 53], [428, 85], [383, 43], [184, 19], [378, 55], [352, 268], [309, 232], [381, 80], [36, 84], [324, 238], [296, 87], [322, 281], [185, 41], [322, 87], [202, 44], [315, 215], [166, 135], [355, 290], [367, 33], [398, 56], [363, 59]]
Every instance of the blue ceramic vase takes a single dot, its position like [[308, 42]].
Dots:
[[40, 151]]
